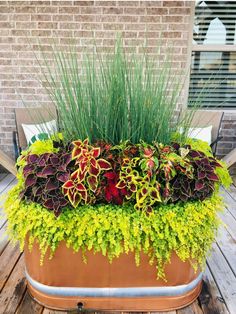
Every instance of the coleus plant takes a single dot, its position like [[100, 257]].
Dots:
[[142, 174], [83, 182], [44, 176]]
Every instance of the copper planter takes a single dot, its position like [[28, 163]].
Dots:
[[66, 281]]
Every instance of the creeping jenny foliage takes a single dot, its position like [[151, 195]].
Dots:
[[186, 228]]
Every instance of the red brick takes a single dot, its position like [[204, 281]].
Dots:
[[168, 3], [24, 9], [107, 3], [179, 11], [150, 19], [112, 10], [156, 3], [41, 17], [128, 3], [3, 17], [135, 11], [84, 18], [46, 25], [157, 11], [84, 3]]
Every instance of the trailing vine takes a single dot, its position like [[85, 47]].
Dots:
[[187, 228]]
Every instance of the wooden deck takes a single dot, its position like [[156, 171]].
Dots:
[[219, 290]]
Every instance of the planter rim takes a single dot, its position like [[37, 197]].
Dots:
[[114, 292]]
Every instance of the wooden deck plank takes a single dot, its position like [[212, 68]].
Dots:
[[230, 200], [48, 311], [224, 277], [29, 306], [191, 309], [3, 175], [210, 299], [8, 260], [229, 222], [4, 183], [3, 239], [10, 182], [227, 245], [14, 289]]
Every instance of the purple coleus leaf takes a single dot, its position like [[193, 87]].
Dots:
[[28, 169], [63, 177], [201, 175], [32, 159], [30, 180], [205, 161], [49, 203], [212, 176], [194, 153], [176, 146], [208, 168], [215, 164], [66, 159], [37, 190], [54, 160], [49, 170], [199, 185], [51, 184]]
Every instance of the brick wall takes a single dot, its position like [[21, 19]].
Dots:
[[23, 23]]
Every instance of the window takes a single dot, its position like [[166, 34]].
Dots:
[[213, 66]]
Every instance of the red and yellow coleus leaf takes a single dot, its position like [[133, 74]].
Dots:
[[96, 152], [80, 187], [68, 184], [76, 152], [103, 164], [93, 171], [92, 182], [77, 143]]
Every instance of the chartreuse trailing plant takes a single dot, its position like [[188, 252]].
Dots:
[[186, 228]]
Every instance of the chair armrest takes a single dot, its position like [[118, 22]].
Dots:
[[216, 141], [213, 145], [16, 145]]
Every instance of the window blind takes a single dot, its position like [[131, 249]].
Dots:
[[213, 66]]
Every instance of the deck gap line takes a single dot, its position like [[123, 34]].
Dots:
[[21, 300], [4, 248], [218, 287], [4, 223]]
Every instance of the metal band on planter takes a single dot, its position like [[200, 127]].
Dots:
[[114, 292]]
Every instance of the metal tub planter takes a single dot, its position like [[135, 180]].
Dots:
[[101, 285], [118, 186]]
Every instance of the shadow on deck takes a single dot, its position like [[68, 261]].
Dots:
[[218, 295]]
